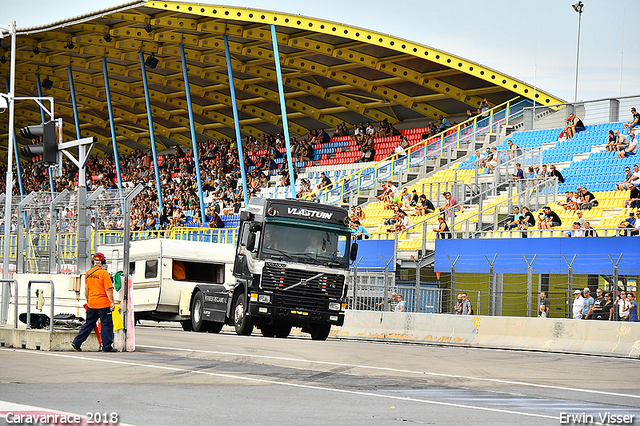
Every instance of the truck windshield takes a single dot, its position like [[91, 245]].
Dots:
[[314, 246]]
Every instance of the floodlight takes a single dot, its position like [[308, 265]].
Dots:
[[151, 61], [578, 6], [46, 83]]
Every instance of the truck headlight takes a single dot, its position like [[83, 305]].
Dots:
[[334, 306], [264, 298]]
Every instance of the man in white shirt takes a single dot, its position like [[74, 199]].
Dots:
[[358, 131], [404, 223], [391, 190], [623, 307], [369, 129], [401, 306], [577, 305], [631, 150], [621, 141]]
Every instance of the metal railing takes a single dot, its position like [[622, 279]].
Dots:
[[420, 152], [419, 297], [562, 231], [532, 193], [597, 111], [67, 247]]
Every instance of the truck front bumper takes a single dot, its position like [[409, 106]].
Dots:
[[276, 309]]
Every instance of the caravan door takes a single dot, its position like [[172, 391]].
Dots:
[[146, 276]]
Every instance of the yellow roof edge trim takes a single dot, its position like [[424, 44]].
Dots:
[[359, 34]]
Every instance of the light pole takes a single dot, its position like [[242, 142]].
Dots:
[[578, 8], [9, 188], [4, 308]]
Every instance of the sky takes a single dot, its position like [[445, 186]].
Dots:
[[533, 41]]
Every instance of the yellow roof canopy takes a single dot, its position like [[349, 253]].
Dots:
[[332, 73]]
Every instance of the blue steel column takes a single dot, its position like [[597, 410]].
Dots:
[[44, 120], [193, 132], [15, 147], [72, 87], [151, 133], [283, 108], [232, 89], [112, 125]]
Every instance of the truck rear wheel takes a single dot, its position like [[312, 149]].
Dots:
[[197, 306], [241, 321], [320, 331]]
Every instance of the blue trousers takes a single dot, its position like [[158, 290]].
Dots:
[[104, 314]]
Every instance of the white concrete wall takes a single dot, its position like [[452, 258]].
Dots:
[[553, 335]]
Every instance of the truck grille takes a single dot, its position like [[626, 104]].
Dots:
[[324, 286]]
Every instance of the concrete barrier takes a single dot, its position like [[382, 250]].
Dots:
[[44, 340], [409, 327], [554, 335]]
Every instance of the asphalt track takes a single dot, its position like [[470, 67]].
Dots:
[[180, 378]]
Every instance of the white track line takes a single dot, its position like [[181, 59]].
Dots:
[[274, 382], [394, 370]]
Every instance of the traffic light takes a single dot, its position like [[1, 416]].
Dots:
[[44, 149]]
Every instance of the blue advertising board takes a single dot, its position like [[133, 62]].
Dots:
[[592, 255], [373, 252]]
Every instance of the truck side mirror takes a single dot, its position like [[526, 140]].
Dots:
[[251, 242], [354, 252]]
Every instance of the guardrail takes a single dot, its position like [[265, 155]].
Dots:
[[420, 152]]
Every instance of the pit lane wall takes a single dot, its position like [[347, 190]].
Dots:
[[620, 339]]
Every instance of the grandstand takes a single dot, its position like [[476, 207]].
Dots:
[[326, 80]]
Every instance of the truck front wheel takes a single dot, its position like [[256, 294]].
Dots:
[[241, 321], [197, 306], [320, 331]]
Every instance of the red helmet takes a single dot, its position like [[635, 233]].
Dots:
[[99, 257]]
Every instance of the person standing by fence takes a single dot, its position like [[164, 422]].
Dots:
[[577, 304], [467, 309], [401, 306], [99, 294], [544, 305]]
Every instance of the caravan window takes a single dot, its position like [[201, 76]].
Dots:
[[132, 268], [198, 272], [151, 269]]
